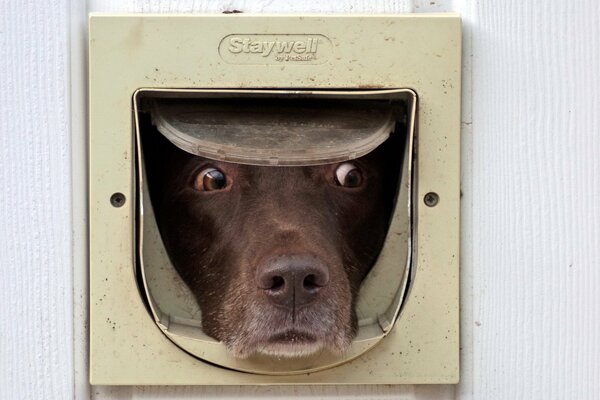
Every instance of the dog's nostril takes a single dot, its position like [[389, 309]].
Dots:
[[277, 282], [310, 282]]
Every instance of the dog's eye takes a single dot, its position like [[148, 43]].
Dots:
[[210, 179], [348, 175]]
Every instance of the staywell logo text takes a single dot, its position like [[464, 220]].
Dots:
[[247, 45], [275, 49]]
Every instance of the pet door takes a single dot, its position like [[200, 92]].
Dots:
[[277, 128]]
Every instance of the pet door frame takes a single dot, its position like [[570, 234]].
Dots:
[[421, 52]]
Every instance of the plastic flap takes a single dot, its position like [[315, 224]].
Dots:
[[274, 132]]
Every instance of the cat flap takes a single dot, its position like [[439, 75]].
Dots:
[[251, 112], [274, 132]]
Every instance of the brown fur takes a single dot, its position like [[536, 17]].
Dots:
[[217, 240]]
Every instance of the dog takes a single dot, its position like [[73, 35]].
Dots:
[[273, 255]]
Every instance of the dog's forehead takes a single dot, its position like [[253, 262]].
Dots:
[[281, 177]]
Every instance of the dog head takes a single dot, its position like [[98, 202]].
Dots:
[[274, 255]]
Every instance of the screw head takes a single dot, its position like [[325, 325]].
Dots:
[[117, 199], [431, 199]]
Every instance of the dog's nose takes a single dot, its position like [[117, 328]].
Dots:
[[292, 281]]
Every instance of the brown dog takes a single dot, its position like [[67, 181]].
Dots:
[[274, 255]]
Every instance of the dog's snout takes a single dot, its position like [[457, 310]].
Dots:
[[292, 281]]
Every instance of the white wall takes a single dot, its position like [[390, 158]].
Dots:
[[36, 344], [530, 214], [536, 199]]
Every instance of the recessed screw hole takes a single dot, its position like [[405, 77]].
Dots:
[[117, 199], [431, 199]]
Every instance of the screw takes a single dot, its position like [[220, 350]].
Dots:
[[117, 199], [431, 199]]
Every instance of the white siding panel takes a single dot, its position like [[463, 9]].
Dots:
[[36, 341], [536, 200], [252, 6]]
